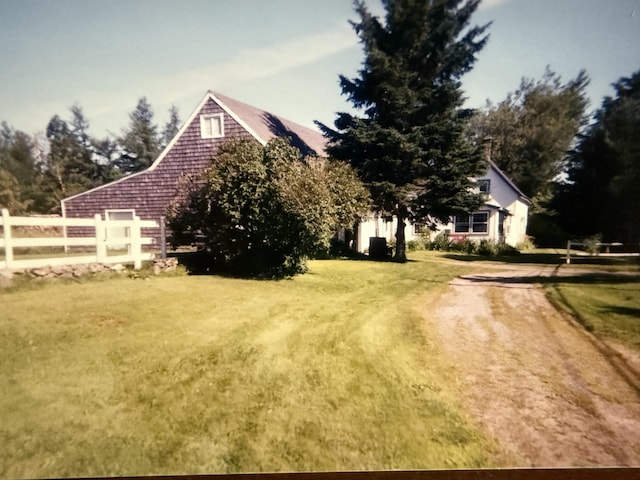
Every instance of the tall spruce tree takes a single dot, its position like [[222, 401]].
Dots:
[[409, 147], [140, 142], [172, 126]]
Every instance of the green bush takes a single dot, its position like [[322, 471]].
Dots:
[[526, 244], [262, 211], [441, 242], [591, 244], [507, 250], [414, 245], [487, 248]]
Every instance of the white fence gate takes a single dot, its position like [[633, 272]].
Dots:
[[98, 245]]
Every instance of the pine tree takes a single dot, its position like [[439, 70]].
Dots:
[[409, 146], [171, 127], [69, 167], [140, 142]]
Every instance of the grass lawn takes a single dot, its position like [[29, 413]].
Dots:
[[607, 305], [332, 370]]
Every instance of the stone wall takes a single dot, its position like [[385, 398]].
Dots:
[[70, 271]]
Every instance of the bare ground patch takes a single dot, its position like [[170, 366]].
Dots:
[[532, 378]]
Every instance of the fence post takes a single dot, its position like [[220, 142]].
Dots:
[[163, 239], [101, 239], [136, 243], [568, 252], [8, 246]]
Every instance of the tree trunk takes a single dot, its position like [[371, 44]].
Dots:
[[400, 254], [355, 237]]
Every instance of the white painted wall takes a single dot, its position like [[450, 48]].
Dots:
[[501, 195]]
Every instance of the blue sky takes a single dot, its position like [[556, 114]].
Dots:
[[281, 55]]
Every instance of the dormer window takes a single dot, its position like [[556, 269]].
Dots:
[[212, 125]]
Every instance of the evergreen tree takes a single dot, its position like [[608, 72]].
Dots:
[[601, 194], [70, 168], [409, 146], [172, 126], [140, 142]]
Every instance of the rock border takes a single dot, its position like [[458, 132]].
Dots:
[[76, 271]]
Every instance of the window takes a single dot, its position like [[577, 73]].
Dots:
[[484, 185], [118, 231], [461, 224], [480, 223], [212, 125], [475, 223], [419, 228]]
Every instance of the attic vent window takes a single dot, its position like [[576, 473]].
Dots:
[[212, 125], [484, 185]]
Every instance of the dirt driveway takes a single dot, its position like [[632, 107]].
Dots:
[[534, 379]]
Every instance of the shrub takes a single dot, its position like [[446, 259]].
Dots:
[[507, 250], [413, 245], [591, 244], [526, 244], [440, 242], [487, 248], [262, 211]]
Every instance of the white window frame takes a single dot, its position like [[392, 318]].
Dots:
[[118, 232], [474, 222], [207, 122], [471, 222], [487, 182]]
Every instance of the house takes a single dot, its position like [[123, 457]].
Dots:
[[217, 118], [146, 194], [502, 218]]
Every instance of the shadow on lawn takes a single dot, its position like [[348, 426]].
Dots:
[[620, 310], [575, 279]]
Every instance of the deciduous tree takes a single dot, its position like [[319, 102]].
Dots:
[[19, 170], [409, 145], [533, 129], [263, 210]]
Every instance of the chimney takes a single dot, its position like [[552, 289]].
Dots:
[[488, 142]]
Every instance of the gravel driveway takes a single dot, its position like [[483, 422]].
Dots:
[[537, 382]]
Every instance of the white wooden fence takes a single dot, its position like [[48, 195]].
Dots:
[[597, 245], [98, 245]]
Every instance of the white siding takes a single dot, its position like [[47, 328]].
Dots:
[[502, 196]]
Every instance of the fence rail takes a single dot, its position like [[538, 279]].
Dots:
[[597, 245], [99, 243]]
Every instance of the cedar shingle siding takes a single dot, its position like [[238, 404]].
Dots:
[[149, 192]]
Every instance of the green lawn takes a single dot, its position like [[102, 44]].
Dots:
[[332, 370], [606, 304]]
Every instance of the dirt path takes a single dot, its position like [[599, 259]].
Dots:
[[533, 378]]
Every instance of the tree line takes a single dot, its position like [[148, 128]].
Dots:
[[36, 172]]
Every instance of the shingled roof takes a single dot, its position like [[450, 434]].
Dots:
[[265, 126]]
